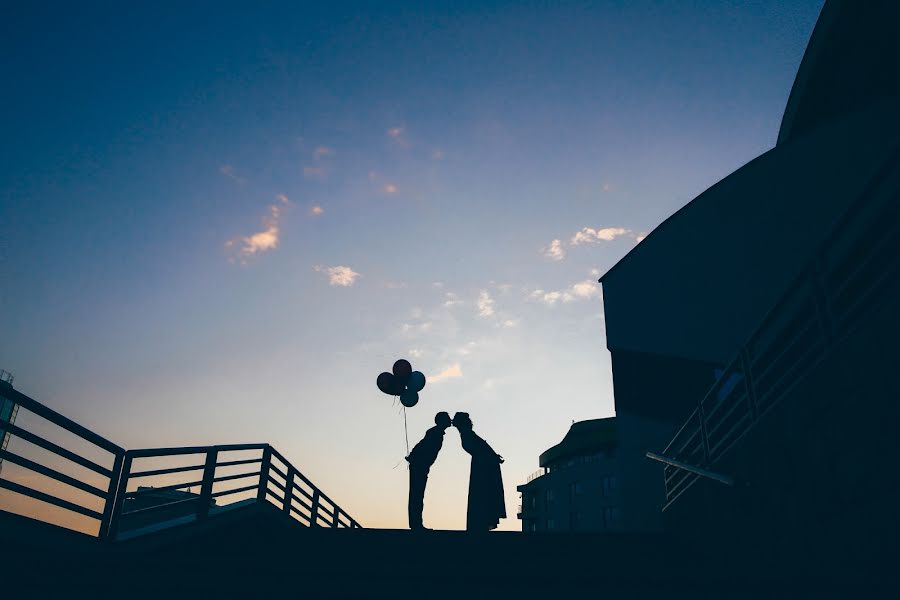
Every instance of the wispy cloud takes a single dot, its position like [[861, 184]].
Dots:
[[396, 132], [485, 304], [450, 372], [451, 299], [554, 251], [228, 171], [438, 154], [244, 247], [340, 275], [389, 188], [588, 235], [316, 210]]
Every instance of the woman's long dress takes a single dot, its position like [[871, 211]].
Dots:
[[486, 503]]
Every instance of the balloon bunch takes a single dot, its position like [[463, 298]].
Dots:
[[403, 382]]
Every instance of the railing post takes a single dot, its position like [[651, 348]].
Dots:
[[335, 521], [288, 490], [264, 474], [701, 414], [110, 504], [749, 384], [116, 517], [314, 510], [209, 474]]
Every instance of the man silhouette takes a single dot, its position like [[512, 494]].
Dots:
[[420, 460]]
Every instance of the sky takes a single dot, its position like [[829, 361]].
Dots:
[[219, 223]]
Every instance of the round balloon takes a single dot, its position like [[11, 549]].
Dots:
[[388, 384], [416, 381], [402, 369], [409, 398]]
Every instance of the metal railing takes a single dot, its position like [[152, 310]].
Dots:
[[274, 478], [539, 473], [855, 267], [106, 494]]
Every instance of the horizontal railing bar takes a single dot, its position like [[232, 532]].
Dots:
[[302, 491], [278, 485], [238, 476], [297, 473], [276, 496], [718, 423], [696, 470], [725, 437], [56, 449], [232, 463], [134, 474], [32, 493], [162, 488], [246, 488], [51, 473], [159, 506], [303, 504], [57, 419], [279, 471], [678, 495], [300, 514], [680, 429], [785, 350], [151, 452]]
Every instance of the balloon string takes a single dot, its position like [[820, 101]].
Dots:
[[405, 431]]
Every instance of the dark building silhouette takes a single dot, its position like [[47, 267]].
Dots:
[[758, 321], [596, 479]]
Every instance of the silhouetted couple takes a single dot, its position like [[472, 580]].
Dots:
[[486, 506]]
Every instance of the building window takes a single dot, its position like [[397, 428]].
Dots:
[[609, 517], [551, 526], [575, 489], [608, 486], [575, 519], [548, 497], [533, 501]]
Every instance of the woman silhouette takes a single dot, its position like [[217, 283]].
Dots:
[[486, 503]]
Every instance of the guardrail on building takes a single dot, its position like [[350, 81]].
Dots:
[[858, 263], [276, 479]]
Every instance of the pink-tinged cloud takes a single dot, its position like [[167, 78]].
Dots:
[[589, 235], [554, 251], [316, 211], [389, 188], [341, 276], [245, 247], [450, 372]]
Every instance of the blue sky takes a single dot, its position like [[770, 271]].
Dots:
[[220, 223]]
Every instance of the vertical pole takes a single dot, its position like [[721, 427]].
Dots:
[[209, 474], [701, 414], [749, 384], [119, 501], [110, 502], [264, 474], [335, 521], [314, 510], [288, 490]]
